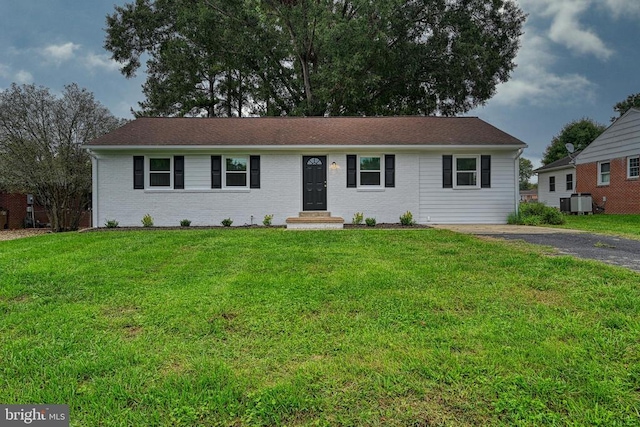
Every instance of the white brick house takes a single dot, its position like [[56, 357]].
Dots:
[[443, 170]]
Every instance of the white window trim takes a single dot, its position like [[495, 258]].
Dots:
[[381, 171], [600, 182], [555, 184], [629, 167], [566, 182], [148, 185], [246, 172], [455, 172]]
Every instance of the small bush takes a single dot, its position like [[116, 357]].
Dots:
[[536, 213], [147, 221], [407, 219], [185, 223], [267, 220], [111, 223], [358, 217], [226, 222], [553, 217], [371, 222]]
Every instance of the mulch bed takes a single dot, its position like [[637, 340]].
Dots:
[[387, 226]]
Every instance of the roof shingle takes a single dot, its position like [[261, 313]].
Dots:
[[306, 131]]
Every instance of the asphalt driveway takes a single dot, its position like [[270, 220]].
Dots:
[[609, 249]]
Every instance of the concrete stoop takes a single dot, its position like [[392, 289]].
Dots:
[[315, 220]]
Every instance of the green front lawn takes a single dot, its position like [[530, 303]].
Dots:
[[359, 327], [617, 225]]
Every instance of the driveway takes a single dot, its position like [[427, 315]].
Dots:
[[609, 249]]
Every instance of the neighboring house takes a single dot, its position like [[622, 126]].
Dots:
[[609, 168], [556, 181], [529, 195], [443, 170], [21, 214], [16, 207]]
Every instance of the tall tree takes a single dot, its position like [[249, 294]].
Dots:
[[632, 101], [316, 57], [580, 133], [41, 147], [526, 172]]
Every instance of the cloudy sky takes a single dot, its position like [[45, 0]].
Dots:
[[578, 58]]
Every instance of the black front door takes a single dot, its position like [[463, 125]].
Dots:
[[314, 178]]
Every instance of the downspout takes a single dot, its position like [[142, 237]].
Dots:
[[516, 178], [94, 191]]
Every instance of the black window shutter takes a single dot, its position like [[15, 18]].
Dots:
[[254, 166], [178, 172], [351, 170], [138, 172], [447, 171], [216, 171], [390, 170], [485, 171]]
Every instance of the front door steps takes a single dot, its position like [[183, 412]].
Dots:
[[315, 220]]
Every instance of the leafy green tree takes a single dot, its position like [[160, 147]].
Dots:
[[580, 133], [632, 101], [526, 172], [41, 147], [316, 57]]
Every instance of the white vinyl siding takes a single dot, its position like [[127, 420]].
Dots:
[[550, 198], [620, 140], [485, 206]]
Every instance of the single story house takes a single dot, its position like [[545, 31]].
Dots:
[[609, 167], [442, 169], [529, 195], [557, 180]]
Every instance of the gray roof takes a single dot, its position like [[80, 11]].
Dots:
[[307, 131], [558, 164]]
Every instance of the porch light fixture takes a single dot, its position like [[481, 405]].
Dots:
[[334, 166]]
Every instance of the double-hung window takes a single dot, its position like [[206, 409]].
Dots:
[[633, 167], [236, 171], [604, 173], [160, 172], [370, 171], [569, 186], [552, 183], [466, 171]]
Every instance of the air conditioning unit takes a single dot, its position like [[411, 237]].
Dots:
[[581, 203]]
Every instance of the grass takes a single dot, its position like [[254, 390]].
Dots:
[[359, 327], [615, 225]]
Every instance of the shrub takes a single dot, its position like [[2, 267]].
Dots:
[[358, 217], [407, 219], [226, 222], [185, 223], [553, 217], [371, 222], [267, 220], [147, 221], [111, 223], [536, 213]]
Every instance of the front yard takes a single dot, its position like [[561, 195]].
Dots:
[[358, 327], [618, 225]]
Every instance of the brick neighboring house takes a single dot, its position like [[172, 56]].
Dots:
[[609, 168], [16, 205]]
